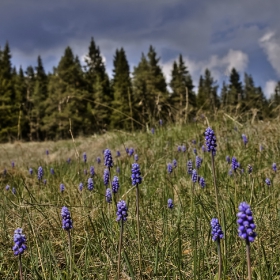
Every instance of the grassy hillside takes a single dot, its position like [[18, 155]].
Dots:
[[175, 243]]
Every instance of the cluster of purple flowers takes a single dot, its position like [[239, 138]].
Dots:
[[250, 168], [130, 152], [91, 171], [217, 232], [115, 184], [106, 177], [81, 185], [234, 164], [194, 176], [52, 171], [210, 139], [85, 157], [40, 173], [90, 184], [198, 162], [246, 222], [169, 168], [108, 195], [30, 171], [20, 242], [274, 167], [244, 138], [170, 204], [174, 163], [136, 174], [67, 223], [108, 161], [98, 159], [136, 157], [122, 211], [62, 188], [267, 181], [228, 159], [189, 167]]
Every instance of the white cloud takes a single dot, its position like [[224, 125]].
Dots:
[[220, 66], [269, 88], [270, 43]]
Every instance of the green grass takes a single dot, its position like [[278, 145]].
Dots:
[[175, 244]]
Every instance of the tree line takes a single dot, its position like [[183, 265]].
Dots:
[[35, 105]]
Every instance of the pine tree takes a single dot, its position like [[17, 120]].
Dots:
[[182, 97], [122, 114], [235, 94]]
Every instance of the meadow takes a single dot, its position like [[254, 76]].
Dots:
[[175, 243]]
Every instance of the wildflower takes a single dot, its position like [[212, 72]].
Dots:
[[195, 151], [30, 171], [130, 152], [170, 204], [118, 154], [45, 181], [202, 182], [174, 163], [169, 168], [250, 168], [108, 195], [52, 171], [115, 184], [91, 171], [7, 187], [106, 176], [244, 138], [121, 211], [189, 167], [234, 164], [136, 174], [194, 176], [228, 159], [62, 188], [40, 173], [210, 139], [20, 242], [160, 122], [127, 150], [267, 181], [274, 167], [217, 232], [179, 149], [14, 190], [246, 222], [108, 161], [153, 130], [230, 172], [194, 141], [98, 159], [85, 157], [198, 162], [47, 152], [203, 149], [184, 148], [136, 157], [13, 164], [90, 184], [81, 185], [67, 223]]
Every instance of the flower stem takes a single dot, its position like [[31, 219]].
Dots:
[[248, 259], [20, 267], [215, 185], [70, 251], [220, 259], [120, 248], [138, 230]]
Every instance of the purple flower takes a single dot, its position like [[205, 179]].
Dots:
[[62, 188], [136, 157], [179, 149], [14, 190], [169, 168], [198, 162], [7, 187], [47, 152], [121, 211], [267, 181], [118, 170], [115, 184], [160, 122], [52, 171], [170, 204], [228, 159], [108, 161], [131, 152], [210, 139], [30, 171], [153, 130], [202, 182], [45, 181], [194, 176], [98, 159], [91, 171], [81, 185], [85, 157], [274, 167], [195, 151], [217, 232], [230, 172], [194, 141], [90, 184], [244, 138], [118, 154], [20, 242], [67, 223], [183, 148], [13, 164], [108, 195], [245, 222], [203, 149], [40, 173], [136, 174], [250, 169], [106, 177], [174, 163], [234, 164], [189, 167]]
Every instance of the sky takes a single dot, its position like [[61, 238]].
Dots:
[[217, 34]]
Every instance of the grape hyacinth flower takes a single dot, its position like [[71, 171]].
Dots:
[[234, 164], [98, 159], [40, 173], [274, 167], [217, 232], [13, 164], [115, 184], [250, 169], [194, 141], [81, 185], [230, 172], [108, 161], [153, 130], [245, 140], [136, 157], [127, 150], [67, 223], [203, 149], [62, 188], [228, 159], [90, 184], [52, 171], [85, 157], [198, 162], [169, 168], [179, 149], [106, 177], [122, 211], [202, 182], [20, 242], [267, 181], [210, 139], [131, 152], [189, 167], [183, 148], [160, 122], [7, 187], [118, 154], [195, 151], [91, 171], [108, 195], [194, 176], [45, 181], [170, 204], [174, 163], [245, 222], [136, 174], [30, 171], [14, 190]]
